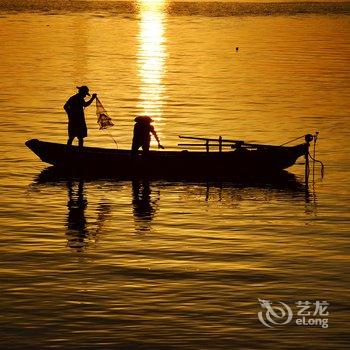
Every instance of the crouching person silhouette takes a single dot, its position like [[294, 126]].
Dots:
[[142, 134]]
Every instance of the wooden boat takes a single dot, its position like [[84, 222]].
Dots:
[[241, 158]]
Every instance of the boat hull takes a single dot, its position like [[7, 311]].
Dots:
[[262, 160]]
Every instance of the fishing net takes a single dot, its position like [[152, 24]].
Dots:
[[103, 120]]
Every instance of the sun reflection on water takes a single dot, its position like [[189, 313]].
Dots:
[[151, 58]]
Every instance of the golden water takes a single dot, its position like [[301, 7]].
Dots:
[[113, 264]]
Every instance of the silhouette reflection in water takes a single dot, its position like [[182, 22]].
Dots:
[[144, 206], [78, 234], [76, 221], [145, 200]]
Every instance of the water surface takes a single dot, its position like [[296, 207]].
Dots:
[[108, 263]]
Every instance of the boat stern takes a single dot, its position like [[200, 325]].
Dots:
[[32, 144], [48, 152]]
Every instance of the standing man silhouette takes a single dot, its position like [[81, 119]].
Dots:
[[76, 117]]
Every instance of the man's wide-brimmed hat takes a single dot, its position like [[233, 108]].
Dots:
[[83, 88], [143, 119]]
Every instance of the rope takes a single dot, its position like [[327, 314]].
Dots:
[[286, 143], [317, 161], [109, 133]]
